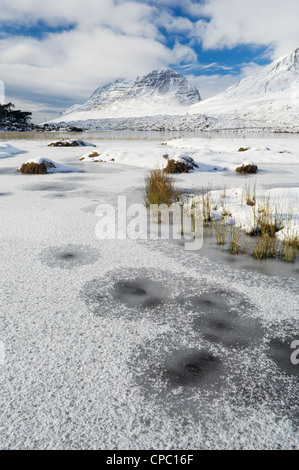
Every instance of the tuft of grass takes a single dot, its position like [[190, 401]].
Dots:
[[236, 244], [220, 232], [247, 169], [36, 168], [250, 194], [266, 222], [185, 165], [290, 252], [68, 143], [206, 206], [174, 167], [290, 248], [265, 247], [94, 154], [159, 188], [224, 194]]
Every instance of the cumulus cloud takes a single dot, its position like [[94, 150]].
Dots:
[[269, 23]]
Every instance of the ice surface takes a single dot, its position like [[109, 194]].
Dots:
[[136, 345]]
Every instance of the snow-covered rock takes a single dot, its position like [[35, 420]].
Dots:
[[46, 166], [71, 143]]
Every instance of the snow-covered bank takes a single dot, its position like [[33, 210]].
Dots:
[[7, 151]]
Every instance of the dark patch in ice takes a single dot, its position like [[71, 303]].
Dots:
[[280, 352], [8, 171], [56, 195], [219, 321], [69, 256], [182, 380], [141, 293], [55, 187], [190, 367], [129, 291], [123, 296], [5, 194]]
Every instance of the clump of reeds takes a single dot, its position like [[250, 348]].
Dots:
[[220, 233], [159, 188], [236, 241]]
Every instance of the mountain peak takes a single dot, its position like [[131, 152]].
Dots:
[[160, 89], [272, 91]]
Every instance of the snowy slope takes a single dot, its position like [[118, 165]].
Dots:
[[269, 96], [159, 92]]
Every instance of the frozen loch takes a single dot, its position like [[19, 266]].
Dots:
[[140, 344]]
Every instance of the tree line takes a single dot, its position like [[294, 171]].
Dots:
[[10, 116]]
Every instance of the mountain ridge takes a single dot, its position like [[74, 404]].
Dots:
[[164, 89]]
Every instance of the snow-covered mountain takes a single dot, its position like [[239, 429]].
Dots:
[[265, 101], [270, 95], [159, 92]]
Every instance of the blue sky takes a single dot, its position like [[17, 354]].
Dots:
[[54, 54]]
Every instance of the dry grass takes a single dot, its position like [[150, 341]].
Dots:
[[220, 233], [35, 168], [247, 169], [249, 193], [206, 206], [68, 143], [159, 188], [185, 165], [236, 241], [94, 154], [267, 222], [266, 247]]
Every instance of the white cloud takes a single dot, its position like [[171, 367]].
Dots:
[[183, 54], [270, 23]]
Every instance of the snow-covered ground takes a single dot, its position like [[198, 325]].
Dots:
[[123, 344]]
